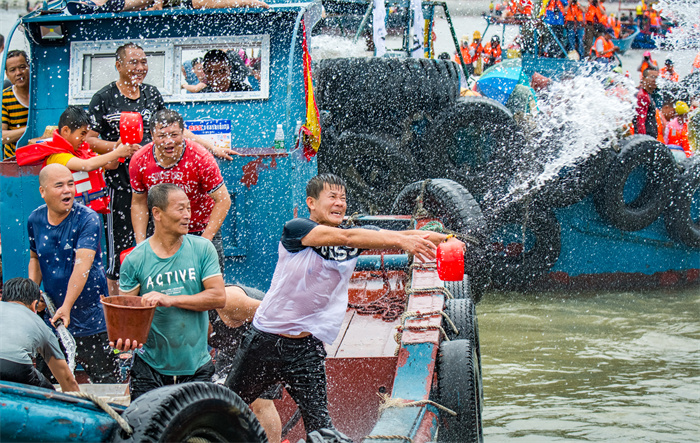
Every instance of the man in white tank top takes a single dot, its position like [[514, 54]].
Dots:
[[307, 300]]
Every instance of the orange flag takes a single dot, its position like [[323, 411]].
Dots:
[[311, 131]]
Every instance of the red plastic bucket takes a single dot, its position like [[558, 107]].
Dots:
[[131, 128], [124, 253], [127, 318], [450, 261]]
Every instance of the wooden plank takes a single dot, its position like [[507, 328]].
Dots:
[[367, 336]]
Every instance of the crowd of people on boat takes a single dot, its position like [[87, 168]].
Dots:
[[164, 201]]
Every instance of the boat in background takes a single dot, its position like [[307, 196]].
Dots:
[[625, 43]]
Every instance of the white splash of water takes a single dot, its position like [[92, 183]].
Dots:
[[68, 343], [578, 117], [331, 46], [687, 14]]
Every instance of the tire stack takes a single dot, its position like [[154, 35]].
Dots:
[[388, 122]]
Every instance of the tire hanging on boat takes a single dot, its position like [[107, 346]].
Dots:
[[376, 93], [524, 243], [475, 138], [374, 169], [644, 163], [576, 181], [194, 411], [682, 216], [454, 206], [459, 389]]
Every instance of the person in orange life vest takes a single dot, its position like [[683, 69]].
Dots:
[[519, 7], [696, 64], [595, 23], [647, 62], [68, 148], [666, 113], [645, 118], [614, 25], [475, 52], [492, 52], [654, 19], [676, 132], [574, 27], [604, 48], [464, 49], [668, 72]]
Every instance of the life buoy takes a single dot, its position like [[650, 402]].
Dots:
[[524, 242], [637, 185], [91, 190], [682, 217]]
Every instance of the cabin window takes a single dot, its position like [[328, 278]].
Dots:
[[92, 67]]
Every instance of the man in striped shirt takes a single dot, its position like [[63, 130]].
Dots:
[[15, 101]]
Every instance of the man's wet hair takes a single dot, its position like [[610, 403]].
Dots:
[[166, 117], [215, 56], [17, 53], [22, 290], [316, 184], [197, 61], [120, 53], [159, 195], [74, 117]]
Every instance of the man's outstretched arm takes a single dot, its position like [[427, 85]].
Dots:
[[422, 244]]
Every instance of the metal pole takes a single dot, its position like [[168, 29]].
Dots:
[[364, 21], [454, 37]]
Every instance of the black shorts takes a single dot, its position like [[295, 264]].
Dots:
[[22, 373], [119, 233], [144, 378]]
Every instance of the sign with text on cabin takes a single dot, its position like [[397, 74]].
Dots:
[[217, 131]]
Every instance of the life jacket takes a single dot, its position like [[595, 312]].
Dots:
[[90, 187], [646, 66], [677, 134], [554, 12], [574, 14], [655, 19], [594, 15], [616, 26], [661, 124], [492, 53], [640, 10], [521, 7], [668, 74], [475, 50], [607, 46], [465, 55]]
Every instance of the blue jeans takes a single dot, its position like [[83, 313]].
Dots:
[[575, 38]]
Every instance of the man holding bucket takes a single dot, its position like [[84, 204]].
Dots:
[[64, 242], [180, 275]]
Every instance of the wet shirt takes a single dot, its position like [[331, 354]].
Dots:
[[56, 247], [105, 111], [24, 334], [196, 172], [177, 342], [309, 290]]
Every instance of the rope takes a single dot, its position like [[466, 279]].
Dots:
[[399, 333], [421, 266], [390, 307], [107, 408], [388, 402], [434, 226], [407, 314], [446, 292]]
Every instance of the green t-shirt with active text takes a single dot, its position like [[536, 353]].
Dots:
[[177, 343]]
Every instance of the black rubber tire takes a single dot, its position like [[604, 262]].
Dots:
[[190, 410], [459, 389], [542, 226], [638, 151], [374, 169], [377, 93], [463, 313], [682, 216], [474, 138], [446, 200], [460, 289], [576, 181]]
